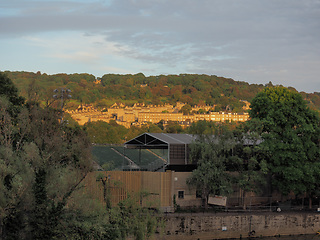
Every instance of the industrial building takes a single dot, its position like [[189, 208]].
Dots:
[[175, 148]]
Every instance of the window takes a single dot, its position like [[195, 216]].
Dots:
[[180, 194]]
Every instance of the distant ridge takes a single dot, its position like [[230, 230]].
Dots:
[[193, 89]]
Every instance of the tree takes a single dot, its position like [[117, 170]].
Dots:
[[173, 127], [202, 128], [211, 154], [102, 132], [131, 219], [290, 132], [186, 109], [37, 154], [9, 90], [248, 161], [11, 184], [128, 218]]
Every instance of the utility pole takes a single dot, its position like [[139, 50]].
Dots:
[[63, 94]]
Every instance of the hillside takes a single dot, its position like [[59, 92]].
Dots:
[[223, 93]]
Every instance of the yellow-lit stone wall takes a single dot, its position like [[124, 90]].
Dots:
[[139, 114]]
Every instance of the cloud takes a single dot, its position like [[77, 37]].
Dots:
[[73, 46], [249, 40]]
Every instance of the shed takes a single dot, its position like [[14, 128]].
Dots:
[[177, 146]]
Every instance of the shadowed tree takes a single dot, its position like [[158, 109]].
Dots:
[[42, 163], [290, 132], [211, 154], [248, 160], [8, 90]]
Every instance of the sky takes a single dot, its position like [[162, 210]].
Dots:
[[255, 41]]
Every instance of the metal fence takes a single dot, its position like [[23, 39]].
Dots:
[[271, 204], [255, 204]]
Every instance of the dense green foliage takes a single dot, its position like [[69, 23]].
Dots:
[[221, 149], [290, 132], [42, 164], [8, 90], [280, 143], [210, 177], [37, 154], [211, 151], [112, 133], [248, 160], [193, 89]]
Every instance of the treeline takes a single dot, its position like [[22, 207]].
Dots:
[[112, 133], [193, 89]]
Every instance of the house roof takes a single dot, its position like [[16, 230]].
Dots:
[[174, 138]]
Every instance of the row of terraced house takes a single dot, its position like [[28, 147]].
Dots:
[[140, 114], [155, 117]]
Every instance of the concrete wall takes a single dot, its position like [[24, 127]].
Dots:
[[231, 225], [180, 184]]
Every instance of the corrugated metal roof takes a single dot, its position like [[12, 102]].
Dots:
[[160, 139], [171, 138], [174, 138]]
